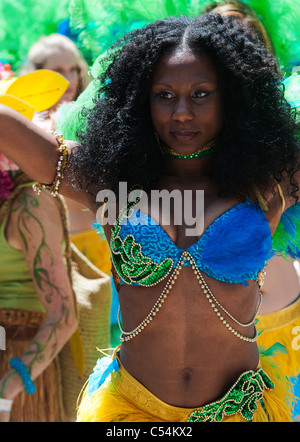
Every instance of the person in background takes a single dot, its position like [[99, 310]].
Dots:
[[37, 306], [60, 54]]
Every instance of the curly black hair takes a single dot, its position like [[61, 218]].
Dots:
[[259, 137]]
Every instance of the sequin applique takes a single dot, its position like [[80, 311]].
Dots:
[[242, 398], [129, 261]]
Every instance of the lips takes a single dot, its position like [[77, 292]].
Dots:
[[183, 135]]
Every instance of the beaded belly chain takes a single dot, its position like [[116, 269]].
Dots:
[[129, 260]]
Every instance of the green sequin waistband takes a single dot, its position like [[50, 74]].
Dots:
[[241, 398]]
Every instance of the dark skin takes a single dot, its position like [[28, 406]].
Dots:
[[186, 356]]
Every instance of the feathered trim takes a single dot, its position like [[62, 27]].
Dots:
[[101, 23], [241, 245], [22, 23], [281, 18], [277, 405], [286, 238], [292, 92], [282, 327]]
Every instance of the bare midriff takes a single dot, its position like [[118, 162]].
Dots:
[[186, 356]]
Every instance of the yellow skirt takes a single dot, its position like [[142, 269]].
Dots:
[[123, 399], [281, 326]]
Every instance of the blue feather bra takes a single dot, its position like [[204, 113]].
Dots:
[[234, 248]]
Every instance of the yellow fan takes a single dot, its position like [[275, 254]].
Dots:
[[19, 105], [42, 88], [4, 84], [39, 90]]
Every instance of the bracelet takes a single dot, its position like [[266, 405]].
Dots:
[[24, 373], [61, 165], [5, 404]]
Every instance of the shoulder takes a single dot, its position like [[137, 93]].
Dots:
[[44, 203], [271, 200], [32, 213]]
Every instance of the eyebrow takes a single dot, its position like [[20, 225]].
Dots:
[[193, 85]]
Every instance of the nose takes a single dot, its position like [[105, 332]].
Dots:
[[182, 110]]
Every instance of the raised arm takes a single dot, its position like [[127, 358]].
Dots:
[[28, 146], [37, 154]]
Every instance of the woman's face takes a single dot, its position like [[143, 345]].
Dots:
[[64, 62], [185, 101]]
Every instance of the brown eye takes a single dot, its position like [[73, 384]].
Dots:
[[165, 95], [199, 94]]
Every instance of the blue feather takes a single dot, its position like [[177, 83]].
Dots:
[[238, 244], [104, 367]]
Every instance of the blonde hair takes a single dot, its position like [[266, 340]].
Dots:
[[247, 16], [48, 45]]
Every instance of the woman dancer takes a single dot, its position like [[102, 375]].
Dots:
[[204, 111]]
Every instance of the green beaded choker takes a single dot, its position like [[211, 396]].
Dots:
[[203, 152]]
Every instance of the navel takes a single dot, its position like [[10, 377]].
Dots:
[[187, 374]]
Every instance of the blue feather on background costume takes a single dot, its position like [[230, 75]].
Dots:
[[286, 239]]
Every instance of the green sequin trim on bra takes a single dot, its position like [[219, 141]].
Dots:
[[130, 263], [242, 398]]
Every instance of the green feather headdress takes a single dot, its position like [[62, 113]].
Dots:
[[23, 22], [101, 23]]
